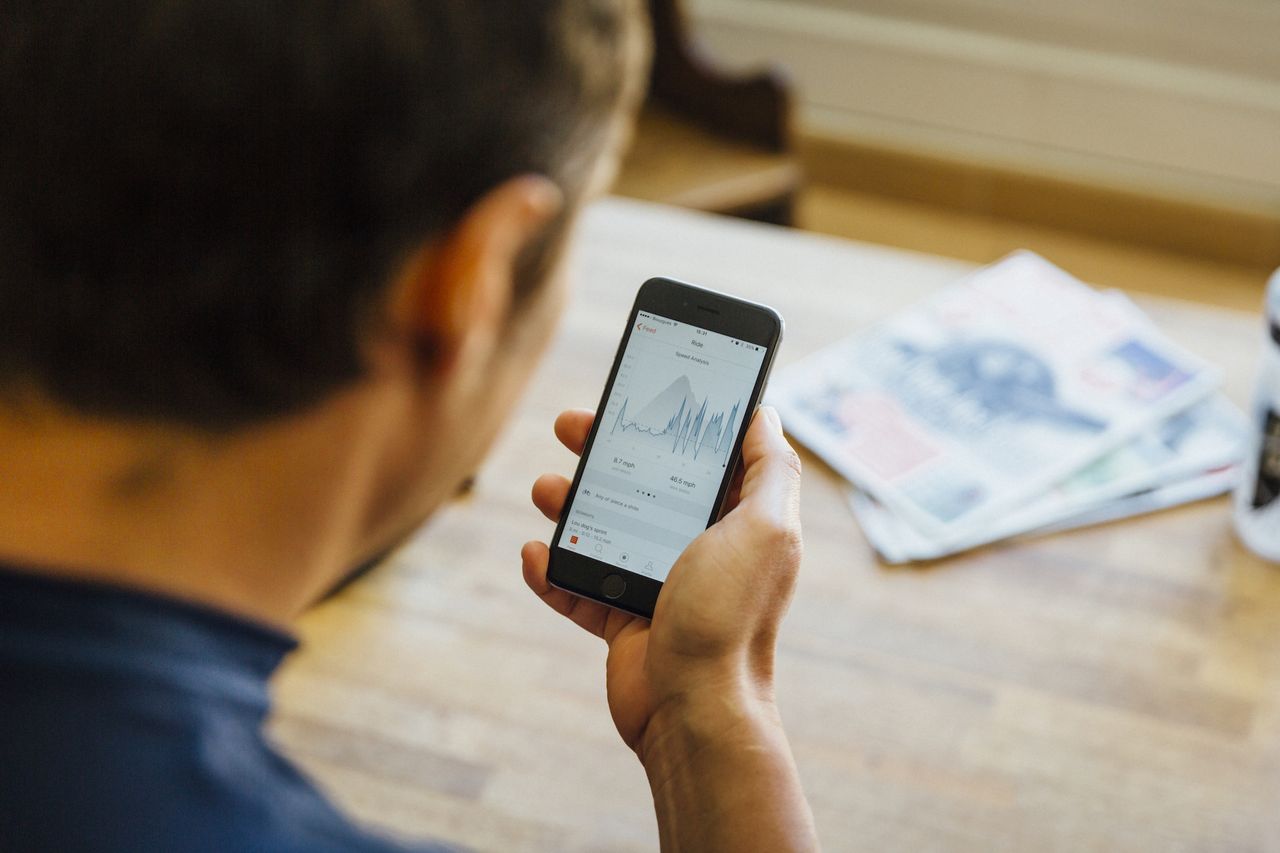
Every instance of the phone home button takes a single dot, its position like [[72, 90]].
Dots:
[[613, 586]]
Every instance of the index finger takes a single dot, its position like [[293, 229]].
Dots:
[[572, 427]]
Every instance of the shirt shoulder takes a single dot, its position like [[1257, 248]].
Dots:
[[131, 722], [132, 777]]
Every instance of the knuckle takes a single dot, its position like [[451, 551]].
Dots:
[[791, 540], [791, 462], [777, 532]]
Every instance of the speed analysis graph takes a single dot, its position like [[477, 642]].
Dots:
[[690, 429], [666, 436]]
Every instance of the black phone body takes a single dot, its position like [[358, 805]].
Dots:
[[688, 375]]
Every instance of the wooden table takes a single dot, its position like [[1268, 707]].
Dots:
[[1111, 689]]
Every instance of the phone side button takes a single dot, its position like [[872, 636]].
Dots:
[[613, 586]]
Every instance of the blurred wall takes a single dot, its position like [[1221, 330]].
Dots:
[[1174, 96]]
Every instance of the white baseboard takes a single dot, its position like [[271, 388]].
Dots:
[[1069, 112]]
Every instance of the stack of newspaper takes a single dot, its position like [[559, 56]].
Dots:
[[1016, 401]]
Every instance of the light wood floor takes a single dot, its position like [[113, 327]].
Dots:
[[938, 231]]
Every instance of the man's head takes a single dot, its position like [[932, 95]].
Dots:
[[221, 216], [203, 203]]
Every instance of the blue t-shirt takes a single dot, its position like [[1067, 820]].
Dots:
[[134, 722]]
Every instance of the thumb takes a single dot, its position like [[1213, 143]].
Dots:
[[771, 475]]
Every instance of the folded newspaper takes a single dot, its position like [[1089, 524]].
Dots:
[[1016, 400], [1190, 456]]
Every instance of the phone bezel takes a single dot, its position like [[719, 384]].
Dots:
[[706, 309]]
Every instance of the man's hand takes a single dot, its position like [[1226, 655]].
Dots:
[[692, 692]]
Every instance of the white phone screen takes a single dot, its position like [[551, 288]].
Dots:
[[662, 446]]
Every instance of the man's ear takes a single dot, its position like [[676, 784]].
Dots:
[[457, 289]]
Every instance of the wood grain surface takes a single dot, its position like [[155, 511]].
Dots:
[[1110, 689]]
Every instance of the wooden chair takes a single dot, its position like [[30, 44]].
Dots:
[[708, 140]]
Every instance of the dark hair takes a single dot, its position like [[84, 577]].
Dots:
[[202, 201]]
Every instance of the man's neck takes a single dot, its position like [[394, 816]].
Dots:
[[255, 523]]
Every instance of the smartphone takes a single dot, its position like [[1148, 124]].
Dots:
[[690, 371]]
